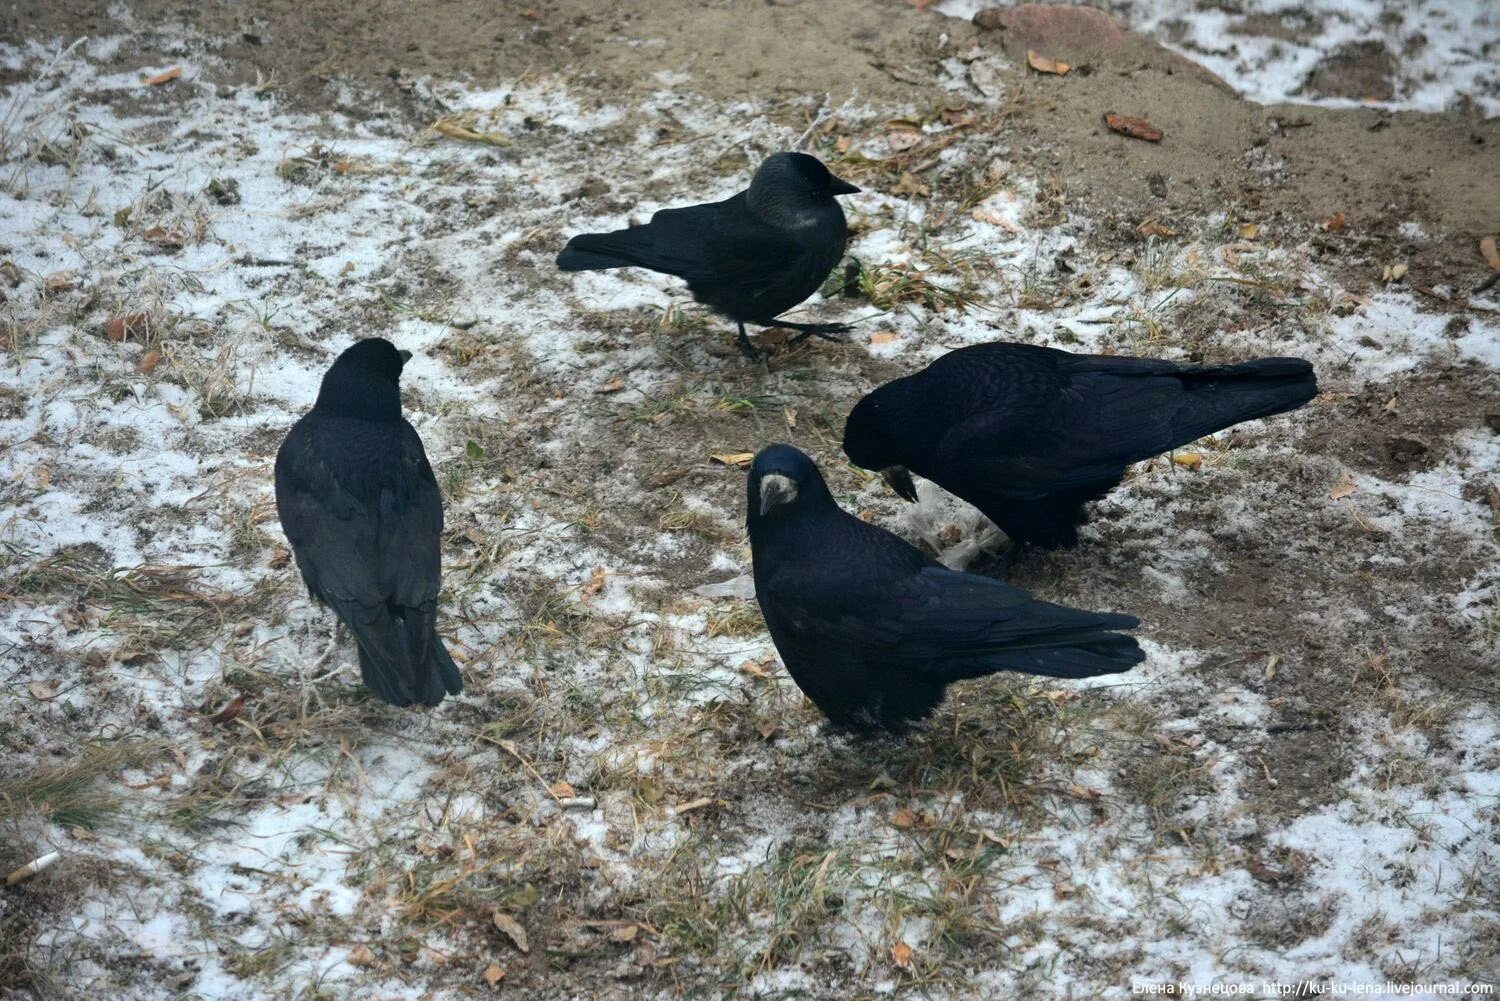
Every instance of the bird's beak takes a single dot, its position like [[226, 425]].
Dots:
[[842, 187], [405, 356], [776, 490], [899, 480]]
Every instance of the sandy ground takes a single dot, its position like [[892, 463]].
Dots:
[[632, 798]]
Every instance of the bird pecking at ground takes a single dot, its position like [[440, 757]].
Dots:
[[1030, 434]]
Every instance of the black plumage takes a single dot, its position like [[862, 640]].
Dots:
[[873, 630], [751, 257], [362, 511], [1029, 435]]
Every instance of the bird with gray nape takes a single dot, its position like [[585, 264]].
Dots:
[[751, 257], [361, 509], [873, 630]]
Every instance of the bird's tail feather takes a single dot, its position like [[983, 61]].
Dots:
[[1229, 394], [599, 251], [440, 675]]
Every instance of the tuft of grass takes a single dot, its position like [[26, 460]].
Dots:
[[71, 794]]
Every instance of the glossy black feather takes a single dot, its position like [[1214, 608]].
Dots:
[[1030, 434], [750, 257], [362, 511], [873, 630]]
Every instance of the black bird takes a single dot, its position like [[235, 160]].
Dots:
[[1030, 434], [873, 630], [749, 258], [360, 506]]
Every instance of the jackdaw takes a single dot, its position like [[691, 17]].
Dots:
[[362, 511], [1030, 434], [751, 257], [873, 630]]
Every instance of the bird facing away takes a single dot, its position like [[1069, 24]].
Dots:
[[751, 257], [1029, 434], [873, 630], [362, 511]]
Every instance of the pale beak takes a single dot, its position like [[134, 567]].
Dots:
[[899, 480], [776, 490]]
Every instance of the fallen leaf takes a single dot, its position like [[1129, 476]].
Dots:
[[1343, 487], [904, 818], [118, 328], [61, 282], [867, 516], [1152, 227], [43, 691], [595, 583], [1187, 460], [165, 77], [231, 712], [148, 362], [920, 4], [755, 669], [741, 460], [1334, 223], [562, 790], [1083, 792], [1042, 64], [493, 974], [458, 127], [907, 184], [1135, 128], [766, 728], [279, 558], [360, 955], [163, 236], [901, 954], [625, 933], [1249, 230], [612, 386], [1490, 253], [512, 929], [884, 337], [902, 140]]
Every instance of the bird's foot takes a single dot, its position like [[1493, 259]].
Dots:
[[748, 349], [826, 331]]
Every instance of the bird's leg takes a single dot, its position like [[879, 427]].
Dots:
[[746, 347], [827, 331], [308, 673]]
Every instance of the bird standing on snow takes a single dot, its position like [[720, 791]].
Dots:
[[751, 257], [362, 511], [1030, 434], [873, 630]]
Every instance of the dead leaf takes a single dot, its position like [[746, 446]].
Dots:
[[148, 362], [1343, 487], [907, 184], [625, 933], [42, 691], [884, 337], [595, 583], [766, 728], [460, 127], [1135, 128], [1334, 223], [164, 77], [920, 4], [756, 669], [1490, 254], [1249, 230], [1153, 227], [61, 282], [562, 790], [612, 386], [1083, 793], [493, 974], [901, 954], [1187, 460], [904, 818], [512, 929], [1042, 64], [164, 237], [279, 559], [360, 955], [740, 460], [902, 140], [867, 516], [119, 328], [231, 712]]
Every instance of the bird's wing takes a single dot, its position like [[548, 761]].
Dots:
[[720, 243], [942, 622], [1091, 424], [368, 553]]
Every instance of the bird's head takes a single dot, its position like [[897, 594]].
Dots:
[[792, 182], [783, 480], [868, 443], [365, 381]]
